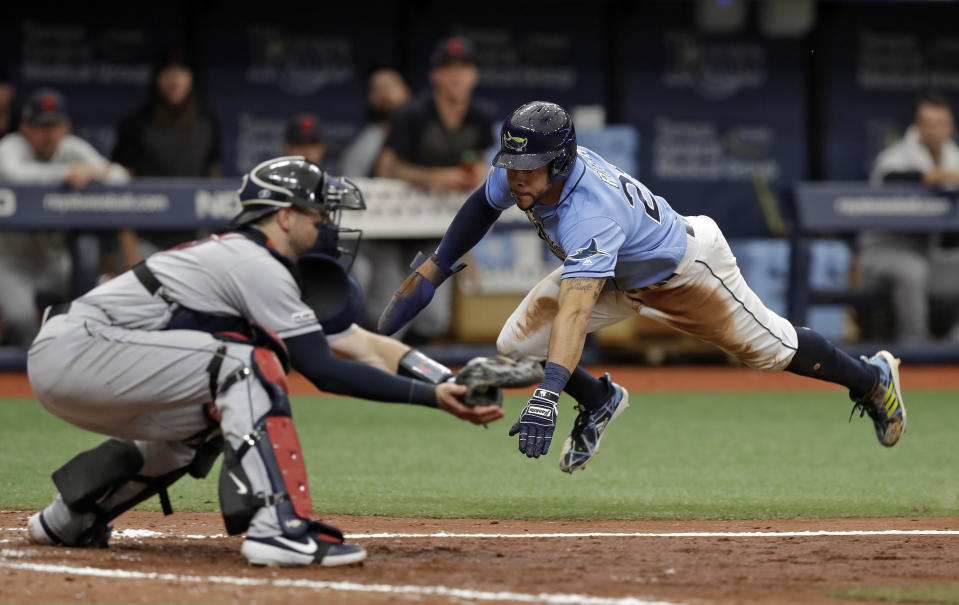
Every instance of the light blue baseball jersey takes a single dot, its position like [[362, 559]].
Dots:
[[605, 224]]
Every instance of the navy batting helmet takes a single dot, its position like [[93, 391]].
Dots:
[[294, 181], [537, 134]]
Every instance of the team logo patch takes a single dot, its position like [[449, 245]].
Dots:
[[514, 143], [302, 317], [586, 254]]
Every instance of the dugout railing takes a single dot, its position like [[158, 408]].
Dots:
[[845, 209]]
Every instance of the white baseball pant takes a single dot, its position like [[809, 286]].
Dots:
[[707, 298]]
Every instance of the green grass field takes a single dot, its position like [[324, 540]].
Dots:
[[672, 456]]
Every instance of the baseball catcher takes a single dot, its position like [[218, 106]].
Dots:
[[186, 355]]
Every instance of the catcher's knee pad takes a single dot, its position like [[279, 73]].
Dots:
[[275, 441]]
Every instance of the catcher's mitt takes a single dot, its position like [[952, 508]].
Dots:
[[485, 377]]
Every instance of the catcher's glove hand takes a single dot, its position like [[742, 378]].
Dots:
[[485, 377]]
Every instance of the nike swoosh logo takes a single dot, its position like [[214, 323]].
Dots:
[[240, 486], [307, 549]]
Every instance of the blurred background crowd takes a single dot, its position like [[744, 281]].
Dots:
[[721, 106]]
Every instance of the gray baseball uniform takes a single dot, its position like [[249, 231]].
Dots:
[[132, 359], [108, 366]]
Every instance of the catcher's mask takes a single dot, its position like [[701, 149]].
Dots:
[[340, 243], [293, 181]]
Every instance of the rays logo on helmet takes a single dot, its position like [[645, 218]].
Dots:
[[514, 143], [586, 254]]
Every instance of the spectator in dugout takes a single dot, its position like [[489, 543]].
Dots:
[[37, 263], [172, 135], [304, 135], [916, 267], [386, 93], [439, 138], [437, 141]]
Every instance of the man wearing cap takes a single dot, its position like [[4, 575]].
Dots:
[[436, 141], [304, 136], [42, 152]]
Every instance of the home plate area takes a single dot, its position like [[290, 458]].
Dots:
[[187, 558]]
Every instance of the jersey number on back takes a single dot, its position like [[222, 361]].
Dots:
[[634, 189]]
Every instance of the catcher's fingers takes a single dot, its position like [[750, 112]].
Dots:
[[449, 399], [478, 414], [450, 392]]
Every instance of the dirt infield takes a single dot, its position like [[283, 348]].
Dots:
[[641, 379], [185, 558]]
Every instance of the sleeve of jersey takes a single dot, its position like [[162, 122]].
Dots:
[[595, 244], [471, 223], [313, 358], [268, 296]]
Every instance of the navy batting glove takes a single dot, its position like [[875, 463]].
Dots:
[[537, 423], [415, 292]]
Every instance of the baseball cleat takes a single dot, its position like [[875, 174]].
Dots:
[[280, 551], [884, 405], [39, 532], [589, 427]]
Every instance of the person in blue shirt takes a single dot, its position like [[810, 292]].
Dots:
[[625, 251]]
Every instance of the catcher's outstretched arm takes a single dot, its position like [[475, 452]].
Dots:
[[372, 349], [311, 356]]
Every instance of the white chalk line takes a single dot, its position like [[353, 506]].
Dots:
[[684, 534], [443, 591], [136, 534]]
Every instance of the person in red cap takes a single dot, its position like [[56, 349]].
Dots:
[[304, 136], [436, 141], [43, 152]]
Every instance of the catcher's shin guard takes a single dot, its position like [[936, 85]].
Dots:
[[276, 443], [100, 484], [90, 475]]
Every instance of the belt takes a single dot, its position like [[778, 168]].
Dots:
[[143, 274]]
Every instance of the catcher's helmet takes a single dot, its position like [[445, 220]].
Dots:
[[294, 181], [536, 134]]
